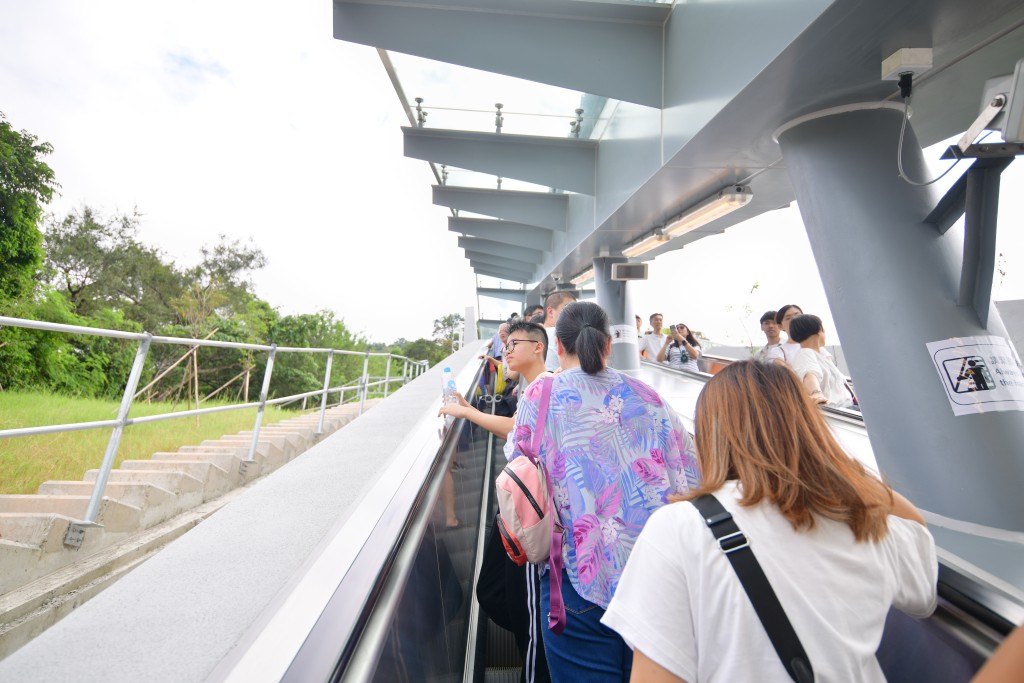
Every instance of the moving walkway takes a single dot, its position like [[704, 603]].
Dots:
[[378, 587]]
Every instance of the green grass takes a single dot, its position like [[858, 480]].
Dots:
[[28, 461]]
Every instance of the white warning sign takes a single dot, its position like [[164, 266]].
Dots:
[[980, 374], [624, 334]]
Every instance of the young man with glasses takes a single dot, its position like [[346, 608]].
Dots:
[[517, 596], [526, 347]]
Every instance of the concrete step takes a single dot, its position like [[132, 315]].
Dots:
[[187, 488], [27, 611], [216, 481], [229, 462], [113, 515], [289, 442], [268, 456], [275, 450], [156, 504], [32, 545]]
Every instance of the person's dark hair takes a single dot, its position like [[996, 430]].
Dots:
[[781, 313], [558, 297], [768, 315], [533, 331], [583, 330], [532, 311], [804, 327], [689, 336], [539, 318]]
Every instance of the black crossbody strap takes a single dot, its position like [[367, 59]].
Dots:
[[773, 617]]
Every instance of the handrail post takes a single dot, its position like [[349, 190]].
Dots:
[[323, 397], [259, 411], [364, 381], [405, 371], [92, 511], [387, 377]]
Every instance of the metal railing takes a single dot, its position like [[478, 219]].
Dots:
[[362, 385]]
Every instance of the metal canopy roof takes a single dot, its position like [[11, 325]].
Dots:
[[679, 100]]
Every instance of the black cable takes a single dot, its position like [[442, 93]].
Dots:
[[906, 85]]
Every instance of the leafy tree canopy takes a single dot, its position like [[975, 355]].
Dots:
[[446, 331], [26, 184]]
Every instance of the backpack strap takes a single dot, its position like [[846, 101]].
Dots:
[[556, 613], [773, 617]]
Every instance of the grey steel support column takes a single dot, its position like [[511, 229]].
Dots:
[[613, 297], [893, 283]]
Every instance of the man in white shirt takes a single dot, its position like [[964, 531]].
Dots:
[[553, 306], [653, 342], [773, 335]]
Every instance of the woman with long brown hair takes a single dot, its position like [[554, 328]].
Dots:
[[837, 545]]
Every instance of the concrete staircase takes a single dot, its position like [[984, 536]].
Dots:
[[146, 504]]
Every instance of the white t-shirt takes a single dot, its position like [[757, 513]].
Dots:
[[787, 352], [680, 603], [764, 354], [652, 343], [551, 360], [832, 381]]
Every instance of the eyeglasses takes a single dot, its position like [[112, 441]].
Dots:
[[511, 345]]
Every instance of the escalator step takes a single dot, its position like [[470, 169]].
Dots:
[[502, 675], [502, 652]]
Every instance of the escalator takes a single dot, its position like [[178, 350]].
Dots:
[[422, 623]]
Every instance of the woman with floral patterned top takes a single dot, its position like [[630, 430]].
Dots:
[[614, 452]]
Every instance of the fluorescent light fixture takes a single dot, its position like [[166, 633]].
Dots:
[[585, 276], [645, 244], [720, 204]]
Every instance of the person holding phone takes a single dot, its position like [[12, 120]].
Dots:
[[681, 349]]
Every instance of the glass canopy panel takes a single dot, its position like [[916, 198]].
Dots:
[[462, 178], [460, 98]]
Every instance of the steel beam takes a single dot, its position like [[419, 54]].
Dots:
[[542, 209], [503, 274], [500, 261], [602, 48], [507, 232], [498, 249], [563, 163], [516, 295]]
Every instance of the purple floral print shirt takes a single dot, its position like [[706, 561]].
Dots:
[[614, 452]]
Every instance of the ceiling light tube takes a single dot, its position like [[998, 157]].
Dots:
[[585, 276], [651, 241], [720, 204]]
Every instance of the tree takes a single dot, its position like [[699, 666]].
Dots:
[[421, 349], [447, 330], [26, 184], [220, 283], [298, 372]]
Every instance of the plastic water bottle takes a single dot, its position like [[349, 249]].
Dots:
[[448, 393], [448, 386]]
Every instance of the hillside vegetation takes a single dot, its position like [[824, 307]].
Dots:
[[26, 462]]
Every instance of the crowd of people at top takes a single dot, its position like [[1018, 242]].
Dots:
[[803, 351], [648, 590]]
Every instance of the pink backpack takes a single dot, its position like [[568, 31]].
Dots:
[[527, 523]]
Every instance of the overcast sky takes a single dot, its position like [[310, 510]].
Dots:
[[249, 119]]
